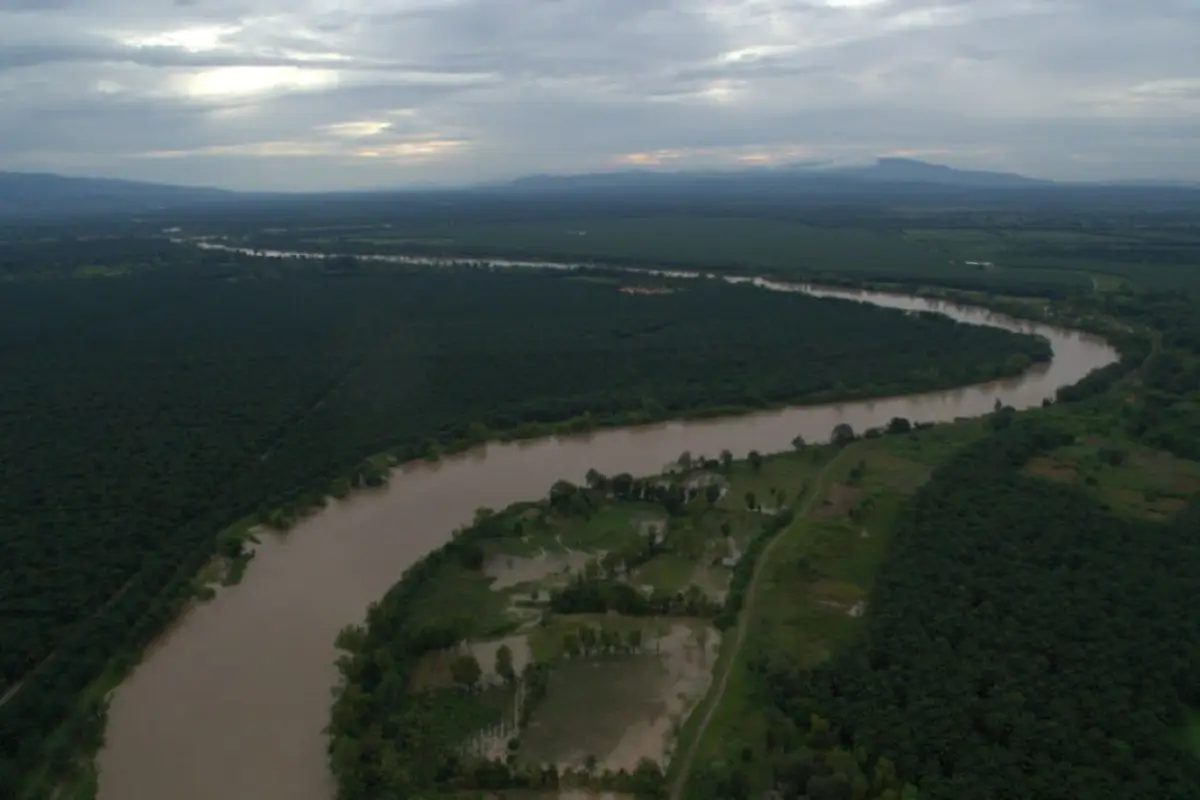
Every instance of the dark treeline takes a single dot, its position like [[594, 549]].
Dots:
[[144, 414], [1024, 642]]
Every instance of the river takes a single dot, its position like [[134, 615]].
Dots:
[[231, 703]]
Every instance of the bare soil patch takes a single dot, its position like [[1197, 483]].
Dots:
[[839, 500]]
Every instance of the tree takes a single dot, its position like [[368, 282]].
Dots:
[[726, 460], [751, 501], [842, 435], [712, 493], [633, 639], [647, 780], [685, 460], [504, 663], [470, 556], [465, 670], [798, 443], [899, 425], [595, 479], [755, 459]]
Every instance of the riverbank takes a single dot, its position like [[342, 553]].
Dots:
[[224, 669], [602, 601]]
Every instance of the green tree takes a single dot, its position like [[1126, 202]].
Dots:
[[647, 780], [798, 443], [504, 663], [751, 501], [842, 435], [595, 479], [465, 670], [755, 459]]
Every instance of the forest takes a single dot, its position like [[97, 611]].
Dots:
[[974, 242], [1025, 641], [1030, 632], [146, 412]]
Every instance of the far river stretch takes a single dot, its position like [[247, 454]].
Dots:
[[230, 705]]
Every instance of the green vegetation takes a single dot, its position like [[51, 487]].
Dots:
[[161, 419], [610, 627], [1027, 627], [997, 640], [166, 404], [1056, 253], [811, 594]]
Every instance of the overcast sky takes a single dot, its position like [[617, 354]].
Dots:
[[316, 94]]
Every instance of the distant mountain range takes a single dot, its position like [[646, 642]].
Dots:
[[884, 170], [41, 195], [34, 194]]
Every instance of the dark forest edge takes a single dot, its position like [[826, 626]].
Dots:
[[70, 673]]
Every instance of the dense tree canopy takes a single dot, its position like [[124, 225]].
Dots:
[[143, 414], [1024, 642]]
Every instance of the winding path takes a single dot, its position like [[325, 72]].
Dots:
[[717, 694]]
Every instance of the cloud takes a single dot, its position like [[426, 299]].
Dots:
[[312, 94]]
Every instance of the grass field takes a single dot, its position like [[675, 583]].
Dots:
[[1161, 258], [1132, 478], [813, 596]]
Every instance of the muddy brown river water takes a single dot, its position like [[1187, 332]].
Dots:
[[231, 703]]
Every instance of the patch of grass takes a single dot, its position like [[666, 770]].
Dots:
[[669, 572], [546, 641], [590, 704], [790, 473], [609, 528], [819, 571], [466, 596], [1130, 477], [932, 446]]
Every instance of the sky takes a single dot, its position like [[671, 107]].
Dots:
[[303, 95]]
